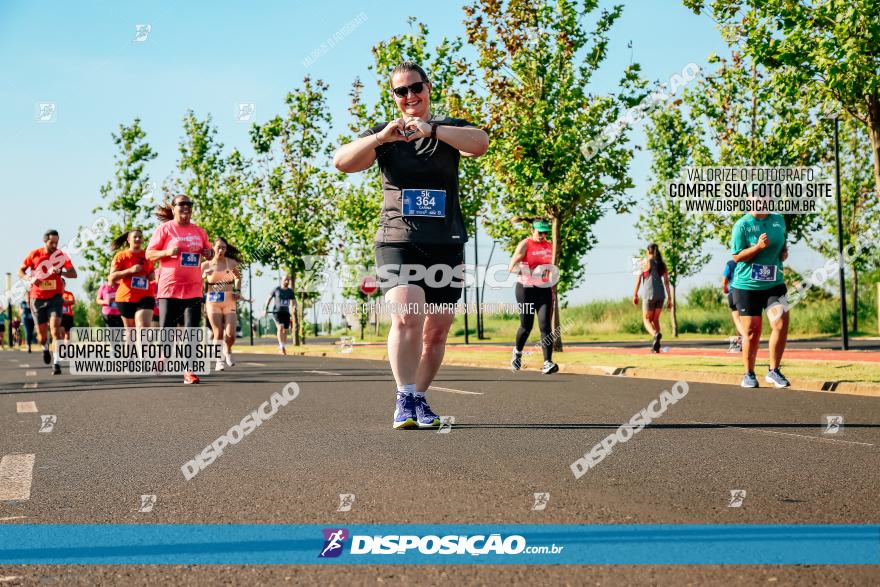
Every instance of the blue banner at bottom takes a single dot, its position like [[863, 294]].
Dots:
[[534, 544]]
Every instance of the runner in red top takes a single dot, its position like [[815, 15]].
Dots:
[[534, 293], [133, 272], [68, 300], [47, 265], [179, 246]]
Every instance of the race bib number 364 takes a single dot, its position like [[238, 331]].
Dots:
[[429, 203]]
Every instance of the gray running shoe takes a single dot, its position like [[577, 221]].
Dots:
[[749, 380], [516, 361], [776, 377]]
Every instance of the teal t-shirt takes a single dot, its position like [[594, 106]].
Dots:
[[764, 270]]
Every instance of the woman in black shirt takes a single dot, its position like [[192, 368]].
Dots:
[[420, 242]]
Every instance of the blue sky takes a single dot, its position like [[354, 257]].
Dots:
[[82, 57]]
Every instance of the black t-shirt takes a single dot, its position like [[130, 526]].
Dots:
[[283, 299], [424, 164]]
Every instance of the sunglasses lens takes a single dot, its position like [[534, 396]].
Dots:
[[416, 88]]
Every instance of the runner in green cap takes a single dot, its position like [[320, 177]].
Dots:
[[534, 293]]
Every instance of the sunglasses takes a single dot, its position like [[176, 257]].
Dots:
[[187, 203], [403, 91]]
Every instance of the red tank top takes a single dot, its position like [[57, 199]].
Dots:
[[537, 253]]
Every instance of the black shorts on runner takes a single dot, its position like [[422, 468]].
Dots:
[[112, 320], [447, 256], [43, 309], [282, 317], [67, 322], [128, 309], [176, 312], [751, 302], [730, 303]]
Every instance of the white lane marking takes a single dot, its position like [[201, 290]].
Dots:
[[26, 407], [323, 372], [16, 472], [255, 364], [461, 391], [30, 373], [9, 578], [805, 436], [24, 365], [8, 518], [30, 385]]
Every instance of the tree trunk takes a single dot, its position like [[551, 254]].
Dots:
[[674, 311], [554, 323], [874, 133], [855, 299]]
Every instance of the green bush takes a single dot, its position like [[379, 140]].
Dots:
[[706, 296]]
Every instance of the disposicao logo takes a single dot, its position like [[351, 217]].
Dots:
[[333, 540]]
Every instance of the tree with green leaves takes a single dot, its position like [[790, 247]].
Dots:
[[128, 201], [742, 121], [296, 208], [680, 235], [536, 61], [823, 50]]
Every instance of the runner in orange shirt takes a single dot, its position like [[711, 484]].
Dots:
[[132, 271], [47, 265]]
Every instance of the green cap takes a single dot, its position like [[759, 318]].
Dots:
[[541, 225]]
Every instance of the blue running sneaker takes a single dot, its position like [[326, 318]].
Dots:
[[749, 380], [405, 412], [776, 377], [425, 416]]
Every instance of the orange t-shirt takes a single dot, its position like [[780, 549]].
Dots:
[[46, 284], [135, 287], [68, 300]]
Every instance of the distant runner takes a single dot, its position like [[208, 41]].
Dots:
[[45, 267], [27, 319], [655, 279], [68, 300], [106, 298], [282, 299], [533, 294], [735, 342]]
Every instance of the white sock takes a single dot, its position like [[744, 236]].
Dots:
[[419, 394], [55, 359], [517, 352], [45, 346], [407, 389]]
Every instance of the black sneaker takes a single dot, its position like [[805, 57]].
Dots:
[[56, 369], [516, 361], [656, 345], [47, 356]]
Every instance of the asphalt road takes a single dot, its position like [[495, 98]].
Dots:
[[515, 434]]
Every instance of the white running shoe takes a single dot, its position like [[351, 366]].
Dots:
[[219, 366], [549, 367], [229, 360]]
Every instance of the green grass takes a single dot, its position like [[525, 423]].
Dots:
[[621, 320]]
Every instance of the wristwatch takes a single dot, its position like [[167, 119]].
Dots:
[[434, 126]]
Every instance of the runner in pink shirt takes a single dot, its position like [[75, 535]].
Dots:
[[179, 247]]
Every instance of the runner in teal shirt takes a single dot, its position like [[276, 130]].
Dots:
[[759, 248], [764, 270]]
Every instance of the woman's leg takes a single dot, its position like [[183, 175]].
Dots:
[[648, 320], [655, 319], [405, 335], [435, 332], [143, 318], [526, 317], [229, 334], [544, 307], [751, 325]]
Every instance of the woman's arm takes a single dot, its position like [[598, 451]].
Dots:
[[518, 255], [360, 153], [668, 290], [748, 254], [469, 140], [636, 292]]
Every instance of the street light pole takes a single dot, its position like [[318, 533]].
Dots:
[[251, 301], [843, 327]]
